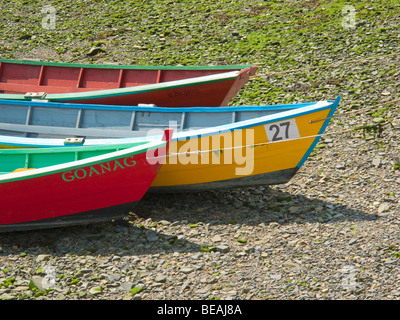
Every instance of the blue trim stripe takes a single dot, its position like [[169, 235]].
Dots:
[[321, 131], [155, 108]]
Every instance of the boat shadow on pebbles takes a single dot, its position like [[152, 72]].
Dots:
[[114, 238], [251, 206], [185, 222]]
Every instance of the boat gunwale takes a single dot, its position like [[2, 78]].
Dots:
[[127, 67], [70, 105]]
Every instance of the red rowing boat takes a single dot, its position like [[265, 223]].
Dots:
[[164, 86], [42, 188]]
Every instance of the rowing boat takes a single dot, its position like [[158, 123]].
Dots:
[[54, 187], [165, 86], [212, 147]]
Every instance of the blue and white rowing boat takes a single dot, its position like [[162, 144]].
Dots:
[[212, 147]]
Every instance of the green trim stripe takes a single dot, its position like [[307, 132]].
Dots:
[[132, 67]]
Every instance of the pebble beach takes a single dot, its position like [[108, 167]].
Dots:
[[330, 233]]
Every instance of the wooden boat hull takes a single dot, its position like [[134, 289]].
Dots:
[[256, 150], [207, 86], [87, 190], [242, 157]]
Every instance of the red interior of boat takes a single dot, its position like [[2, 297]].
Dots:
[[23, 78]]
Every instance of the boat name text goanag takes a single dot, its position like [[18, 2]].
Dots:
[[82, 173]]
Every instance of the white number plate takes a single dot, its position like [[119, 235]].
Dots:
[[283, 130]]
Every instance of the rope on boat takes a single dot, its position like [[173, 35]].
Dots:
[[324, 65], [201, 152]]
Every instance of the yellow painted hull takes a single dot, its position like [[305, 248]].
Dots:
[[246, 153]]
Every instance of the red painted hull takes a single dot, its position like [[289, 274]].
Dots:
[[84, 189], [204, 95], [23, 77]]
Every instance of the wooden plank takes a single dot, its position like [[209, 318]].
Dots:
[[80, 77], [78, 119], [26, 161], [69, 132], [40, 78], [159, 76], [133, 118], [28, 115], [28, 118], [120, 77], [183, 120], [152, 125]]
